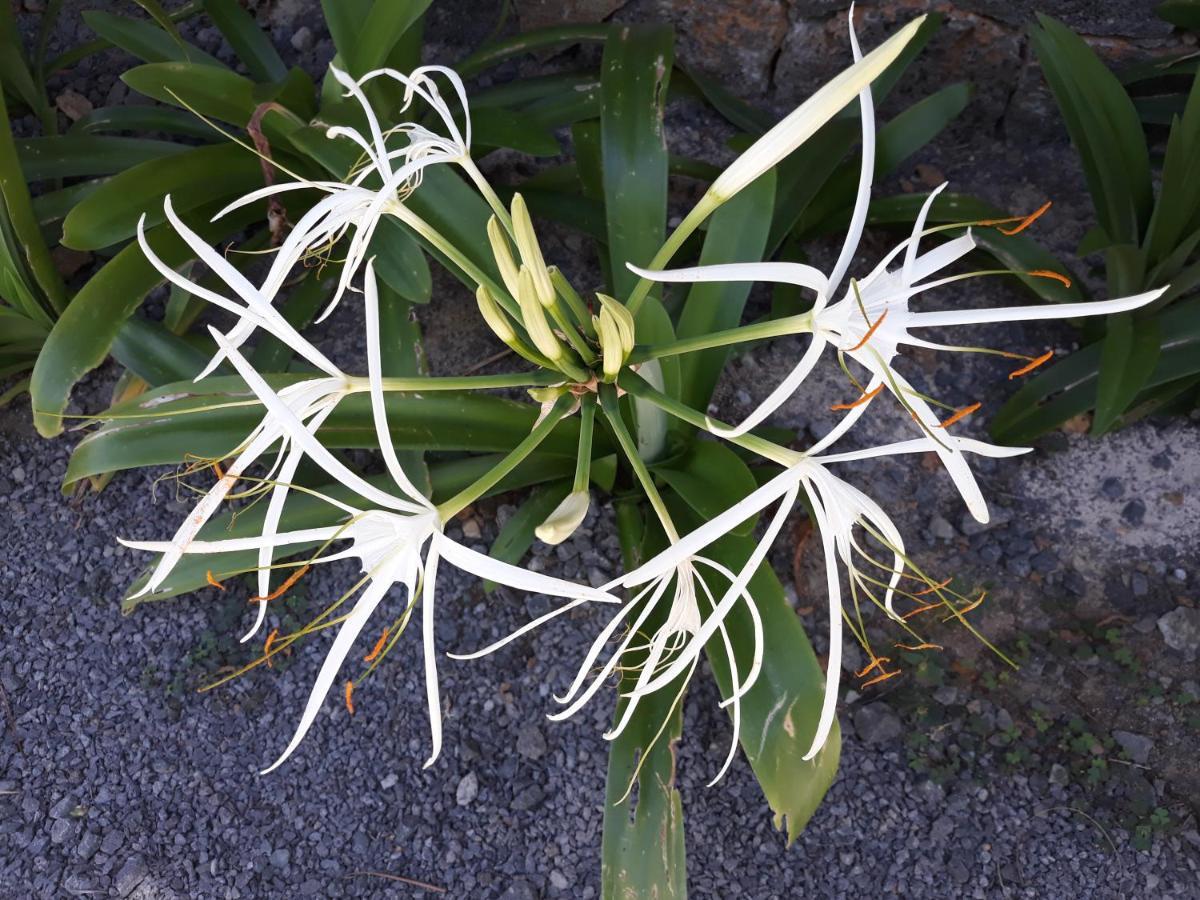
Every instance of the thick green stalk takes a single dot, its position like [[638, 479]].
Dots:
[[638, 387], [477, 489], [466, 382], [682, 232], [800, 324], [612, 412], [567, 291], [489, 194], [583, 460]]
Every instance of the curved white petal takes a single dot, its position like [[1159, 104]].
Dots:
[[833, 665], [428, 593], [1034, 313], [777, 397], [775, 272]]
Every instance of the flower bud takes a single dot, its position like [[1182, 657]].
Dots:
[[567, 516], [531, 252], [612, 351], [495, 317], [502, 254], [623, 318], [534, 317]]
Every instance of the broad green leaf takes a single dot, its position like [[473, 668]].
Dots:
[[216, 93], [199, 176], [710, 478], [400, 263], [165, 119], [493, 127], [642, 849], [379, 32], [212, 417], [14, 73], [1184, 13], [1178, 209], [84, 333], [146, 41], [1129, 355], [79, 156], [780, 713], [634, 72], [154, 354], [736, 233], [248, 41], [1104, 127], [299, 309], [529, 42]]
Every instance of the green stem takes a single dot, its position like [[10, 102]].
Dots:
[[485, 188], [691, 222], [572, 335], [583, 460], [612, 412], [467, 382], [477, 489], [638, 387], [759, 331], [579, 309]]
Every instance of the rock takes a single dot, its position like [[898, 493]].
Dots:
[[941, 528], [946, 695], [73, 105], [1181, 629], [1138, 746], [559, 880], [470, 529], [529, 798], [1134, 512], [876, 724], [111, 842], [1139, 584], [547, 13], [303, 39], [1059, 775], [389, 780], [130, 875], [732, 36], [281, 859], [1112, 488], [519, 890], [468, 789], [61, 830], [530, 742], [88, 845]]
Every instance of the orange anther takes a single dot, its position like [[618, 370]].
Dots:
[[877, 662], [919, 646], [866, 397], [966, 609], [216, 467], [870, 331], [1027, 221], [350, 697], [878, 678], [959, 415], [920, 609], [1047, 273], [934, 587], [1033, 364], [267, 646], [282, 589], [208, 576], [378, 648]]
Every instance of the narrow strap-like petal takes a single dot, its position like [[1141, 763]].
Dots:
[[779, 395], [1033, 313]]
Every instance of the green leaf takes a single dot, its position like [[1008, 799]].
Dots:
[[216, 93], [380, 31], [199, 176], [76, 156], [211, 417], [154, 354], [1129, 355], [499, 127], [107, 119], [634, 72], [710, 478], [301, 306], [1184, 13], [1104, 127], [642, 848], [87, 328], [517, 534], [529, 42], [1178, 209], [147, 42], [780, 713], [14, 73], [400, 262], [248, 41], [736, 233]]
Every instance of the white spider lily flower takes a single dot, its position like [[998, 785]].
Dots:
[[401, 543], [354, 205]]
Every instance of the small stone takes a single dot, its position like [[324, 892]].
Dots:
[[281, 858], [130, 875], [112, 842], [1112, 488], [876, 724], [88, 845], [519, 890], [1181, 629], [529, 798], [303, 38], [1138, 746], [1058, 775], [1134, 512], [941, 528], [530, 742], [73, 105], [559, 880], [1139, 584], [946, 695], [61, 830], [17, 474], [388, 781], [470, 529], [468, 789]]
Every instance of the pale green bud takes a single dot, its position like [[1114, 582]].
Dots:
[[531, 251], [567, 516], [534, 317], [504, 258]]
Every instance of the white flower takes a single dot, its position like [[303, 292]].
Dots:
[[378, 187], [399, 544]]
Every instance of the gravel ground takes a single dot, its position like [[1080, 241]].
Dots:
[[118, 778]]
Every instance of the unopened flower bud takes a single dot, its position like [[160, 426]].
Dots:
[[567, 516], [534, 317], [495, 317], [504, 259], [531, 251]]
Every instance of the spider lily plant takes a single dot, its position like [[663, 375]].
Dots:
[[617, 412]]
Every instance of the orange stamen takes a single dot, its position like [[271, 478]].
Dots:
[[878, 661], [1033, 364], [1047, 273], [1027, 221], [378, 648], [350, 697], [920, 609], [958, 613], [870, 331], [959, 415], [919, 646], [283, 588], [216, 467], [867, 396], [934, 587], [267, 646], [884, 677], [208, 576]]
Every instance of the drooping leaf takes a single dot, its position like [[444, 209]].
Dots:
[[248, 41]]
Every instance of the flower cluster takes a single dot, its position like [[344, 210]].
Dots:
[[586, 356]]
